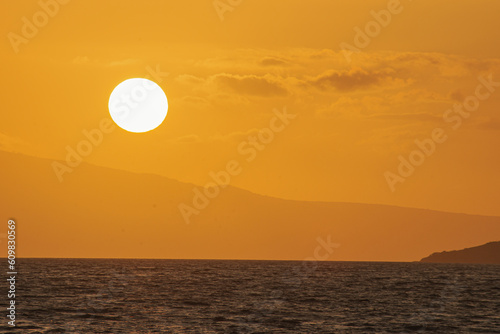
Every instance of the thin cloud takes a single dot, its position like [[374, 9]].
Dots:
[[349, 80], [85, 60], [251, 85], [271, 61]]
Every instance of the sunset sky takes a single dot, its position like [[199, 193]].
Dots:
[[225, 78]]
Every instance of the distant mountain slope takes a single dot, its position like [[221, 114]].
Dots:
[[487, 254], [103, 212]]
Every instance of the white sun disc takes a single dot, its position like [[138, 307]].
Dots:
[[138, 105]]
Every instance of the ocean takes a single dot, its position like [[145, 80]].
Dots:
[[215, 296]]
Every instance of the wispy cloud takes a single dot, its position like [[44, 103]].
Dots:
[[349, 80], [271, 61], [251, 85], [85, 60]]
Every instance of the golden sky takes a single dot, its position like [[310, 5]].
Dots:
[[225, 78]]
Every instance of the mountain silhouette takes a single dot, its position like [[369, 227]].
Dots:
[[99, 212], [486, 254]]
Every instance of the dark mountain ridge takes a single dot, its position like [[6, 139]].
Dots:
[[485, 254]]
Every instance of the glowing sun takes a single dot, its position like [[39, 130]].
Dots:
[[138, 105]]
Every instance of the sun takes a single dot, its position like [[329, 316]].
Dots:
[[138, 105]]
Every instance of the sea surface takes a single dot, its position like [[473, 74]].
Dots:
[[211, 296]]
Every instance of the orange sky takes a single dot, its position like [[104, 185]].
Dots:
[[226, 77]]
